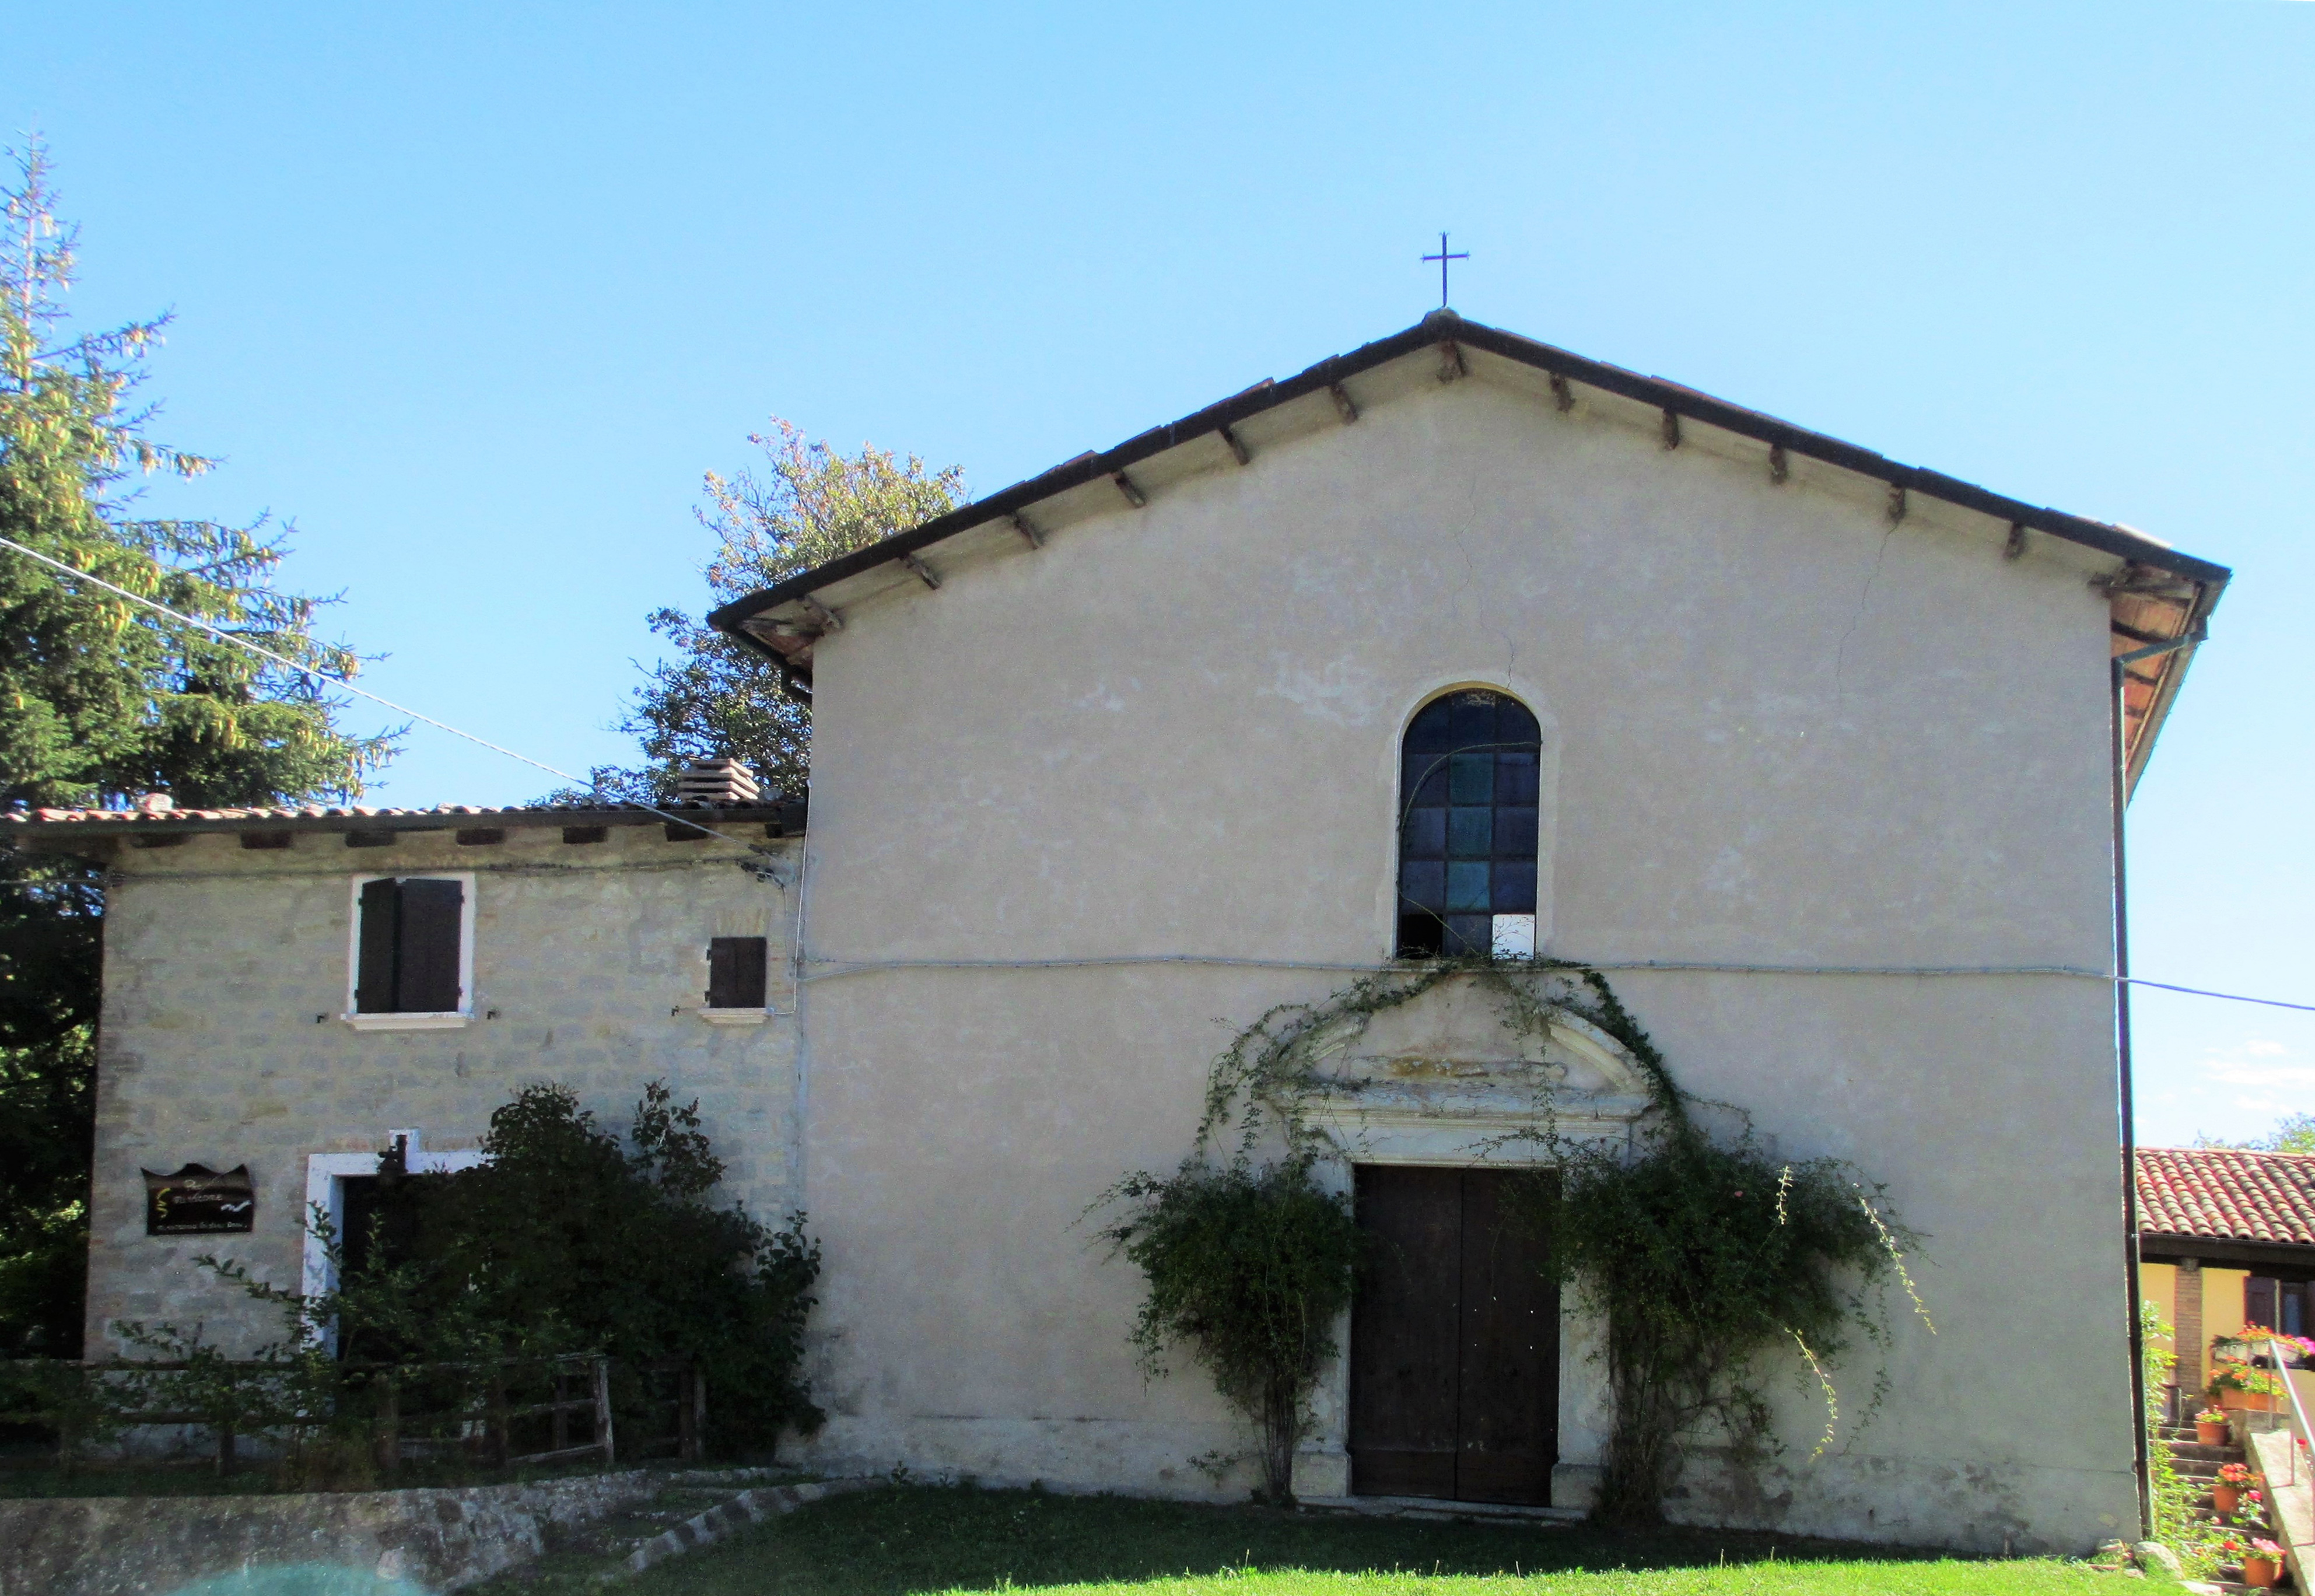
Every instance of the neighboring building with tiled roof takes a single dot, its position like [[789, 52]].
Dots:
[[152, 823], [2227, 1194], [290, 992], [2226, 1238]]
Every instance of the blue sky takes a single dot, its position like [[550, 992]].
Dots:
[[475, 294]]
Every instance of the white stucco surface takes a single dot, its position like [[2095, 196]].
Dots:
[[1778, 730], [224, 1042]]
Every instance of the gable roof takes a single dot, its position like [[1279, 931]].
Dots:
[[2157, 594], [2227, 1194]]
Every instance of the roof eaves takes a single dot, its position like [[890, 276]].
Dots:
[[1440, 327], [1086, 468], [63, 825]]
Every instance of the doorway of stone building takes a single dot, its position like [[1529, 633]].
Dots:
[[1454, 1341]]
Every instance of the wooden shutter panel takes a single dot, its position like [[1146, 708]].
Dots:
[[380, 936], [432, 911], [2258, 1301], [736, 969]]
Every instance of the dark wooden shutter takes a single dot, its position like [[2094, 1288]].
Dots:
[[380, 937], [735, 972], [2258, 1301], [431, 911]]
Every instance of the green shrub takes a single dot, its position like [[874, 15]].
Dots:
[[1248, 1266], [1705, 1259], [567, 1240]]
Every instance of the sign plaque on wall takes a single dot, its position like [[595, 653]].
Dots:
[[199, 1201]]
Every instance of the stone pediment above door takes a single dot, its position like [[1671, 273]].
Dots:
[[1451, 1053]]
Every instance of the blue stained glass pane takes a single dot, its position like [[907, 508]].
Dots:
[[1514, 778], [1473, 717], [1429, 733], [1513, 723], [1471, 832], [1514, 836], [1514, 887], [1424, 882], [1429, 780], [1467, 887], [1471, 778], [1470, 934], [1426, 834]]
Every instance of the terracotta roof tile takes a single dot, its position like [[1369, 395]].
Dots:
[[53, 824], [2227, 1194], [317, 811]]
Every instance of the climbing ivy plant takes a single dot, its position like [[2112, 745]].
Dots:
[[1707, 1257]]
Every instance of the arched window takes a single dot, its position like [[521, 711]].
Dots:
[[1468, 827]]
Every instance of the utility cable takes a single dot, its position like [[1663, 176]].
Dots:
[[837, 969], [862, 967], [339, 682]]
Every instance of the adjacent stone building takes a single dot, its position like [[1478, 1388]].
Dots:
[[247, 1025]]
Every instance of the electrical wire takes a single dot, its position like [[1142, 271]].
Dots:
[[2137, 980], [838, 968], [339, 682]]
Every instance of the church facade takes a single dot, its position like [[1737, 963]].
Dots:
[[1456, 644], [1813, 753]]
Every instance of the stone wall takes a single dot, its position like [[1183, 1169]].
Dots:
[[440, 1540], [223, 1044]]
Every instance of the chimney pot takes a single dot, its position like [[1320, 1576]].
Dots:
[[717, 781]]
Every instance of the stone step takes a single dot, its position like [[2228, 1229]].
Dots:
[[2186, 1451]]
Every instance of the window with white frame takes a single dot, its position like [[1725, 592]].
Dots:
[[336, 1184], [411, 959]]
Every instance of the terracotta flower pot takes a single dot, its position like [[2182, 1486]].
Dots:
[[2225, 1498], [2211, 1435], [2261, 1571]]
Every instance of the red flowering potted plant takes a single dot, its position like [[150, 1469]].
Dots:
[[2238, 1385], [2262, 1562], [2226, 1495], [2211, 1427]]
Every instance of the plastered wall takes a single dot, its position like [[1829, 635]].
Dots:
[[1778, 730], [225, 973], [2221, 1298]]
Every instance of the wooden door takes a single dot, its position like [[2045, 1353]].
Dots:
[[1454, 1341]]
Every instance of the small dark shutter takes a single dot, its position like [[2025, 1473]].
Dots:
[[432, 911], [2258, 1301], [381, 929], [735, 972]]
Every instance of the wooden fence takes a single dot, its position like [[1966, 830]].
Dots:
[[473, 1412]]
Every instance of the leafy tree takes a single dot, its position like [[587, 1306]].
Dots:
[[2292, 1133], [717, 699], [101, 699]]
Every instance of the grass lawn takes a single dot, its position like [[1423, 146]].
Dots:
[[933, 1539]]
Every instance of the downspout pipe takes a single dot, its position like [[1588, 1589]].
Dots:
[[2118, 671]]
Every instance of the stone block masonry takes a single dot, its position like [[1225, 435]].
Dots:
[[224, 1041], [439, 1539]]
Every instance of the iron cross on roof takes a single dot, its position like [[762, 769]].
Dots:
[[1443, 257]]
